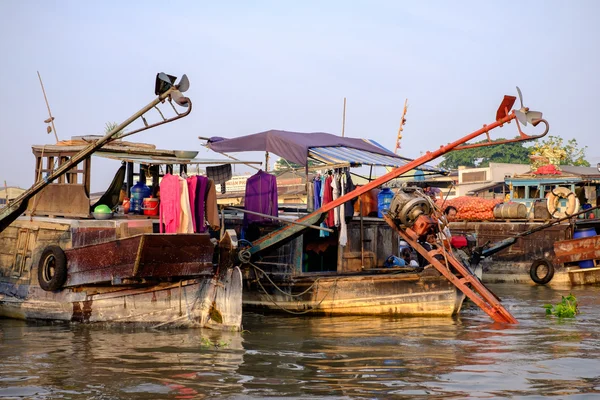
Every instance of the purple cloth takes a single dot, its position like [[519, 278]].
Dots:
[[293, 146], [261, 196], [201, 185]]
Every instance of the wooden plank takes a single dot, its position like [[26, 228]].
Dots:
[[587, 248], [144, 256], [83, 236], [61, 200]]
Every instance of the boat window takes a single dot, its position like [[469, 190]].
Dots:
[[518, 192], [534, 192]]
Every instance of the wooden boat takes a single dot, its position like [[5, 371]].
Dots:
[[316, 275], [292, 269], [59, 263], [524, 261]]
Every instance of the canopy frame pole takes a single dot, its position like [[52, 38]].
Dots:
[[227, 155], [287, 221]]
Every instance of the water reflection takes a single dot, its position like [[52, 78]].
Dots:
[[322, 357]]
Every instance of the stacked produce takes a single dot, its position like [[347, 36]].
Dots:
[[471, 208]]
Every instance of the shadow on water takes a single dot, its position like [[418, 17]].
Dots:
[[317, 357]]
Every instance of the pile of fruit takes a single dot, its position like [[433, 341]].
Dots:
[[471, 208], [549, 169]]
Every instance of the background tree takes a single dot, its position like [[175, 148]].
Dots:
[[282, 164], [553, 150], [514, 153]]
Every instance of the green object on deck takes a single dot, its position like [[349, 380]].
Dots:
[[102, 209]]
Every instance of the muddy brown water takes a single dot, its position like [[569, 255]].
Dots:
[[322, 357]]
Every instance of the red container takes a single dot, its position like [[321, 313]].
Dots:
[[126, 205], [150, 206]]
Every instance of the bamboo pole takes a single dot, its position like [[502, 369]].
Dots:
[[344, 118], [287, 221], [48, 105]]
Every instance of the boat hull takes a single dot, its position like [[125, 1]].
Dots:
[[398, 295], [202, 302]]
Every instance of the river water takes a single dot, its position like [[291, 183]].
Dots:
[[317, 357]]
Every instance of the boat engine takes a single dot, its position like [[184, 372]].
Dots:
[[411, 208]]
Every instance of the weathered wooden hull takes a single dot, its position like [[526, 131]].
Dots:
[[118, 271], [145, 256], [576, 250], [189, 303], [513, 264], [399, 295]]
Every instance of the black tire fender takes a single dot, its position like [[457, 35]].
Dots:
[[533, 271], [52, 268]]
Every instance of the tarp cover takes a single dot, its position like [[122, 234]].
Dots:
[[293, 146]]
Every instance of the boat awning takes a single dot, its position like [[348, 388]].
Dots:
[[292, 146], [317, 147], [343, 156], [156, 160]]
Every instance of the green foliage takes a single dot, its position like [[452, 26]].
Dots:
[[565, 154], [282, 164], [514, 153], [207, 343], [112, 125], [567, 308]]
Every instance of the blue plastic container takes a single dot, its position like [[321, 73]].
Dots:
[[384, 199], [581, 233], [139, 192]]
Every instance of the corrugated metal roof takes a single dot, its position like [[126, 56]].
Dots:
[[155, 160], [355, 157]]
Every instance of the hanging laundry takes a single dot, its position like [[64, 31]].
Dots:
[[348, 187], [328, 198], [170, 204], [261, 196], [185, 223], [219, 174], [343, 238], [210, 205], [323, 233], [335, 187], [201, 186], [192, 183], [318, 193], [310, 196]]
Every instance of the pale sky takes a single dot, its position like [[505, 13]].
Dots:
[[259, 65]]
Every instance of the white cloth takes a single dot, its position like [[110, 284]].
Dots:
[[335, 186], [185, 224], [447, 233], [343, 229]]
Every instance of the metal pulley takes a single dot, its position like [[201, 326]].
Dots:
[[407, 205]]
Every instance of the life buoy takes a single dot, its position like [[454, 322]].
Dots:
[[52, 268], [554, 207], [539, 266]]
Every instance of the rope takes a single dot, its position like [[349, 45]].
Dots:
[[279, 289], [291, 295]]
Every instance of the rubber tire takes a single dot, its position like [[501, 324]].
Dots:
[[534, 269], [52, 254]]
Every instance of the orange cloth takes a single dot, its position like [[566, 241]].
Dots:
[[369, 203]]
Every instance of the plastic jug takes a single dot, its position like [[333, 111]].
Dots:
[[384, 199], [139, 192]]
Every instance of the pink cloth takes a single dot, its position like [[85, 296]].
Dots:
[[170, 204], [192, 182]]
